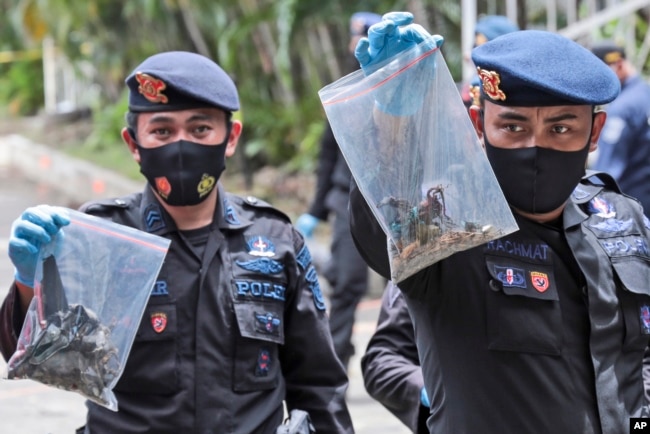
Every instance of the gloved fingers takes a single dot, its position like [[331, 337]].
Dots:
[[414, 33], [361, 51], [47, 217], [377, 34], [20, 247], [439, 40], [399, 18], [33, 233]]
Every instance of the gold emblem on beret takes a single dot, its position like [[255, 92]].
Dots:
[[151, 88], [612, 57], [491, 81], [475, 93]]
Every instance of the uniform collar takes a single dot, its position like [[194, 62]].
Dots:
[[228, 214], [582, 194], [156, 220]]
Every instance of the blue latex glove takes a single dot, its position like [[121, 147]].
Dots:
[[306, 224], [32, 233], [395, 34], [424, 398]]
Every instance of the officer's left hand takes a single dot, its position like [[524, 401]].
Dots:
[[394, 34]]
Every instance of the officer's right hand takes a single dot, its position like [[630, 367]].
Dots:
[[404, 93], [32, 233], [306, 224]]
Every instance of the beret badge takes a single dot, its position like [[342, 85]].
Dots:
[[491, 81], [151, 88], [475, 93]]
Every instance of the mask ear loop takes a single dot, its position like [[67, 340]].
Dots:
[[131, 133]]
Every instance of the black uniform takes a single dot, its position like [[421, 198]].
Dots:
[[246, 328], [541, 331], [390, 365], [346, 272]]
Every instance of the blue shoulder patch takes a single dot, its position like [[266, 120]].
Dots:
[[304, 257], [312, 279]]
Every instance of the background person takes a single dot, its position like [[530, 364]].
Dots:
[[624, 145], [346, 272]]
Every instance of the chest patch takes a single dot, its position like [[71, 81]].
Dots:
[[260, 246], [510, 276], [159, 321], [261, 265], [539, 280], [267, 323]]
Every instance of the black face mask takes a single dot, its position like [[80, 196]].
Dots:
[[183, 173], [537, 180]]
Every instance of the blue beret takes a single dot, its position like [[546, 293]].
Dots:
[[360, 22], [539, 68], [179, 80], [492, 26]]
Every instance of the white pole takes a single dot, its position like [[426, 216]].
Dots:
[[49, 74], [468, 8]]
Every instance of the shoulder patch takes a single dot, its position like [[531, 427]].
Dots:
[[104, 203]]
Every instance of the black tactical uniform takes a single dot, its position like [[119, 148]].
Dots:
[[235, 324], [390, 365], [541, 331]]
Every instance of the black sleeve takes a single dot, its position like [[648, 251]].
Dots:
[[390, 365], [368, 236], [11, 322], [327, 157]]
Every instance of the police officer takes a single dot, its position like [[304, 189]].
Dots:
[[391, 367], [346, 272], [624, 145], [244, 324], [543, 330]]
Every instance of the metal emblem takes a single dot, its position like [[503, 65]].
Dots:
[[491, 81]]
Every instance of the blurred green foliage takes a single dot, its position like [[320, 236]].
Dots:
[[280, 53]]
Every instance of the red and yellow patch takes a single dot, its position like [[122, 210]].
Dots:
[[151, 88], [159, 321], [539, 280], [491, 81], [163, 186]]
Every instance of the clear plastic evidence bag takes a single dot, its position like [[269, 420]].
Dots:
[[416, 158], [89, 297]]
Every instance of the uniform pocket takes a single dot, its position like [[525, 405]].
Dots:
[[523, 310], [634, 276], [155, 341], [261, 330]]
